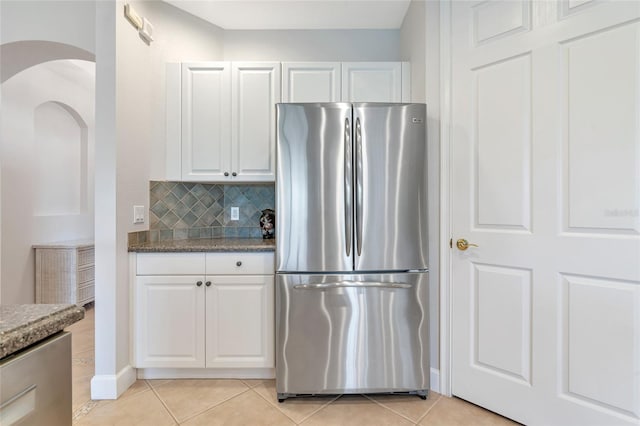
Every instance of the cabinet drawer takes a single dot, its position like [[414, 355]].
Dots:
[[86, 257], [86, 275], [86, 294], [170, 264], [240, 263]]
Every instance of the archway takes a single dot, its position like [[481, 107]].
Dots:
[[47, 133]]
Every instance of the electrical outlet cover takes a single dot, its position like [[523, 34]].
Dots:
[[138, 214]]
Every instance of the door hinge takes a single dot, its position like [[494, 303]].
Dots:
[[450, 242]]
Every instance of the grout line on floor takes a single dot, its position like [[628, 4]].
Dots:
[[304, 419], [391, 409], [186, 419], [334, 399], [430, 408], [277, 406], [84, 410], [251, 386], [273, 405], [82, 361], [162, 402]]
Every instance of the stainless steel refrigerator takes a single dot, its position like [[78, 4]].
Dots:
[[351, 256]]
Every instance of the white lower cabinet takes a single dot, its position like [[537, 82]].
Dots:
[[169, 321], [239, 322], [203, 311]]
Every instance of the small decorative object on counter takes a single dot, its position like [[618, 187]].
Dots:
[[268, 223]]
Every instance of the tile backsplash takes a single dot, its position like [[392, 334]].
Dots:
[[180, 210]]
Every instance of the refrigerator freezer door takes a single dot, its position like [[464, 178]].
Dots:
[[313, 191], [391, 195], [352, 333]]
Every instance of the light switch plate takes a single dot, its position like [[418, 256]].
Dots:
[[235, 213], [138, 214]]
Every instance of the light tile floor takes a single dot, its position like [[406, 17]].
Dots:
[[249, 402]]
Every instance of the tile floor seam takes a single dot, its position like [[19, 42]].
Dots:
[[248, 385], [214, 406], [274, 406], [320, 409], [271, 404], [429, 410], [390, 409], [84, 410], [163, 403], [315, 411]]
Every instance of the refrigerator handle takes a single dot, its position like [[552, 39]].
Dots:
[[347, 284], [359, 178], [348, 183]]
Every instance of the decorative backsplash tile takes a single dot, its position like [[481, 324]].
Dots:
[[181, 210]]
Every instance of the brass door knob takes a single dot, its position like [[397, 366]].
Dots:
[[463, 244]]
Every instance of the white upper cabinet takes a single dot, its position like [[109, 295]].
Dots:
[[375, 82], [311, 81], [221, 116], [255, 90], [228, 121], [206, 119]]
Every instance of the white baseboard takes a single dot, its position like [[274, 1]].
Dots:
[[111, 386], [435, 380], [206, 373]]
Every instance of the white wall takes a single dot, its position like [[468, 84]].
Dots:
[[129, 124], [432, 86], [418, 34], [35, 207], [67, 22], [312, 45], [413, 39]]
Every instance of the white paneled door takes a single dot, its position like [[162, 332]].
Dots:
[[545, 179]]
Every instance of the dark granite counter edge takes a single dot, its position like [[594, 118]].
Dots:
[[36, 330], [205, 245], [150, 249]]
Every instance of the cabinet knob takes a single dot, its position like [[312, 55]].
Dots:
[[208, 283], [226, 173], [238, 263], [234, 174], [199, 283]]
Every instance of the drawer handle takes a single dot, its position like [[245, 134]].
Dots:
[[238, 263], [199, 283], [208, 283]]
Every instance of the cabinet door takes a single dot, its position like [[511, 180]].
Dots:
[[311, 82], [372, 82], [255, 91], [169, 321], [240, 321], [206, 135]]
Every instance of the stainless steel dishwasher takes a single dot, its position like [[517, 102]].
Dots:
[[35, 384]]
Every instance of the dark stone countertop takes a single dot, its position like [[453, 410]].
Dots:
[[206, 245], [24, 325]]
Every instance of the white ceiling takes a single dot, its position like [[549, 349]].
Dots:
[[298, 14]]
